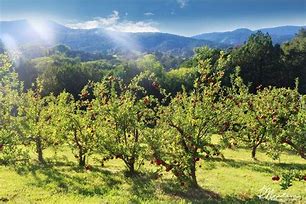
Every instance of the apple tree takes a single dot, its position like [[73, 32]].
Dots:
[[35, 120], [124, 112], [290, 118], [184, 131], [10, 90], [261, 118], [76, 124]]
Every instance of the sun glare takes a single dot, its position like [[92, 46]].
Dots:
[[11, 47], [43, 29]]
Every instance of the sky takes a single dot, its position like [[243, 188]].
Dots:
[[183, 17]]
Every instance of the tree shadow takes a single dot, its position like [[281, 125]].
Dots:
[[254, 200], [67, 178], [195, 195], [259, 166], [142, 186], [200, 195]]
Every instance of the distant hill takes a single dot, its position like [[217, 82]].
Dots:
[[23, 33], [237, 37]]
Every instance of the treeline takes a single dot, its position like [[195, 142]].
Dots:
[[138, 119], [261, 62], [264, 64]]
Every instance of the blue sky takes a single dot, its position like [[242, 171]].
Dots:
[[184, 17]]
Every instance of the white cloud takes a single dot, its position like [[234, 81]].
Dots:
[[148, 14], [113, 23], [97, 22], [133, 27], [182, 3]]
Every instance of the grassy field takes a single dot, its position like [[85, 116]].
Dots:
[[235, 179]]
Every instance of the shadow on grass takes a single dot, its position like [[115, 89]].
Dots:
[[63, 177], [200, 195], [142, 186], [67, 178], [192, 194], [260, 166]]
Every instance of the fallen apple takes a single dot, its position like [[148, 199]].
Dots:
[[275, 178]]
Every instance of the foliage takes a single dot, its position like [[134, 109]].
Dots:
[[124, 112], [187, 124], [177, 78], [294, 58], [35, 120], [10, 89], [260, 62], [289, 176], [76, 125], [293, 133]]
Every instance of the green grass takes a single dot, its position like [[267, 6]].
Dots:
[[235, 179]]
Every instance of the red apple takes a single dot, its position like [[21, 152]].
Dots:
[[84, 95], [275, 178], [88, 167], [158, 162]]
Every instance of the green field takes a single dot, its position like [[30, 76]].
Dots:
[[235, 179]]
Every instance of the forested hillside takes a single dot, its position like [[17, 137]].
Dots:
[[99, 40], [261, 63]]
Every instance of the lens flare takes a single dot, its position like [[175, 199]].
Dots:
[[43, 29], [122, 40], [11, 47]]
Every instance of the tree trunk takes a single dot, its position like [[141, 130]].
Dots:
[[254, 148], [302, 154], [130, 163], [39, 150], [82, 158], [132, 169], [194, 182], [300, 150]]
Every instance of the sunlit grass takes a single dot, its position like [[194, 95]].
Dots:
[[237, 178]]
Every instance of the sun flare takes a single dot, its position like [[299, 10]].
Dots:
[[43, 29]]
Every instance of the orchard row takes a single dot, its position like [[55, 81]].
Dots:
[[121, 120]]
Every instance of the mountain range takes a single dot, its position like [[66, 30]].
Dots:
[[14, 34], [279, 35]]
